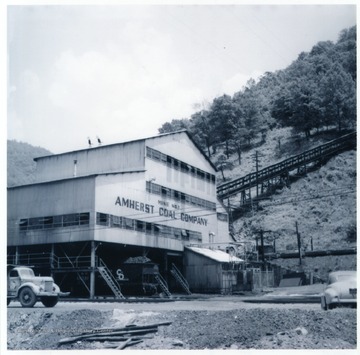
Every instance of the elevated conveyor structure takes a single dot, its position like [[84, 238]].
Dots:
[[279, 172]]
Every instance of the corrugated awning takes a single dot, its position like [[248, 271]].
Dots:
[[217, 255]]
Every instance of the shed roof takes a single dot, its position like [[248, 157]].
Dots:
[[217, 255]]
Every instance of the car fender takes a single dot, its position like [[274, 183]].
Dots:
[[56, 288], [35, 288], [331, 295]]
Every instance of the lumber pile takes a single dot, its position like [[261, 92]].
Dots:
[[118, 338]]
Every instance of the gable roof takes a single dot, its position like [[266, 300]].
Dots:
[[137, 140]]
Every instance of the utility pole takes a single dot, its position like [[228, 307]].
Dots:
[[299, 242], [262, 246], [257, 170], [257, 166]]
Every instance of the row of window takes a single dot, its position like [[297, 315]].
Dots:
[[80, 219], [66, 220], [165, 192], [109, 220], [179, 165]]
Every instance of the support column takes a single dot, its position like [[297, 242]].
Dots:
[[166, 267], [92, 272], [16, 255], [52, 255]]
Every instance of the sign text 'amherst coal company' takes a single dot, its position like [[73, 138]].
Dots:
[[162, 211]]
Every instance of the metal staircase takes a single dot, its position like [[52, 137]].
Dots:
[[110, 280], [163, 285], [180, 279]]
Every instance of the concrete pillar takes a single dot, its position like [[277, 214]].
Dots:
[[92, 272]]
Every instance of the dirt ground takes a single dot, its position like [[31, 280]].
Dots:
[[248, 328]]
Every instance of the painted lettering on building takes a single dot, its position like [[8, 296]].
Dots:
[[193, 219], [135, 205], [162, 211]]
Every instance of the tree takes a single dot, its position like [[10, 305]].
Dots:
[[202, 131], [223, 163], [339, 101], [174, 125], [221, 118], [346, 47]]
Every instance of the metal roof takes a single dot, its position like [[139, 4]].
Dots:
[[133, 141]]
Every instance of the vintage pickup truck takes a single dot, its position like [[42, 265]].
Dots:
[[24, 286]]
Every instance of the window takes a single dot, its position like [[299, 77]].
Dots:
[[177, 195], [74, 219], [48, 222], [148, 228], [178, 164], [71, 220], [23, 224], [116, 221], [34, 223], [140, 225], [157, 229], [184, 167], [184, 234], [196, 236], [57, 221], [200, 174], [102, 219], [165, 192], [84, 218], [155, 155], [129, 223], [151, 229], [14, 273]]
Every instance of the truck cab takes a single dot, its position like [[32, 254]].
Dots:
[[24, 286]]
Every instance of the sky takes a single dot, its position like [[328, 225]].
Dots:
[[118, 72]]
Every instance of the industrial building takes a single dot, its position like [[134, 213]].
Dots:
[[90, 211]]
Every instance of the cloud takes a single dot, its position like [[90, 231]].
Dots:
[[29, 82], [134, 85]]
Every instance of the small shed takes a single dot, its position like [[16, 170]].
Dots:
[[211, 270]]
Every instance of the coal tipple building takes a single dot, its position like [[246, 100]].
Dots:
[[97, 207]]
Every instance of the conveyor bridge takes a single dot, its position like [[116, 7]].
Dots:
[[279, 172]]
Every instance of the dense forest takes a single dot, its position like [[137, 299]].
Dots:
[[316, 92]]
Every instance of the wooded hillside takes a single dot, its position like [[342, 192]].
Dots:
[[20, 162], [316, 92], [283, 114]]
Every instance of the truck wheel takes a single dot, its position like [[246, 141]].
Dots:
[[27, 297], [50, 301]]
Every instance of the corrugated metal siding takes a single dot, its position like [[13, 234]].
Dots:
[[40, 200], [202, 274], [113, 158]]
